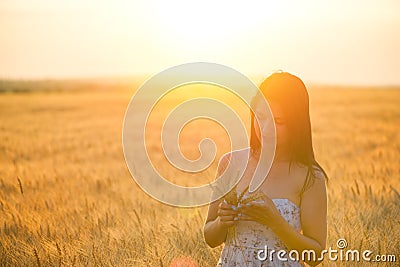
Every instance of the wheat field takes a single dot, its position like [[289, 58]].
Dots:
[[67, 198]]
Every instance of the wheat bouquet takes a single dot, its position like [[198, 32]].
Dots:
[[236, 199]]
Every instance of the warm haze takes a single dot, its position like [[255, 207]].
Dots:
[[335, 42], [66, 195]]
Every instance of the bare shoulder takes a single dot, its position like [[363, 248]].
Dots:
[[316, 171], [319, 174], [314, 198], [240, 153], [225, 159], [317, 180], [318, 184]]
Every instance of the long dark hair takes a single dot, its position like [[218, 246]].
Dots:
[[291, 94]]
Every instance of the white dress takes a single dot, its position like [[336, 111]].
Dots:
[[253, 237]]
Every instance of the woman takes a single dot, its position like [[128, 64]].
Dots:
[[291, 213]]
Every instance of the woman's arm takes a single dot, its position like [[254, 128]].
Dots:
[[216, 229], [220, 215], [313, 221]]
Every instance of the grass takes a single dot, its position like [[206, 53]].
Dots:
[[67, 198]]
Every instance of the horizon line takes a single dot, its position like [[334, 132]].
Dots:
[[144, 76]]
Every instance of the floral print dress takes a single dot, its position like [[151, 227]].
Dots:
[[251, 237]]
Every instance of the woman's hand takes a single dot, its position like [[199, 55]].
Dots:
[[227, 214], [265, 213]]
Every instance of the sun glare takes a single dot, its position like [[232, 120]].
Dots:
[[339, 42], [202, 24]]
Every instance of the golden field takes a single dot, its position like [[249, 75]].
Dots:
[[67, 198]]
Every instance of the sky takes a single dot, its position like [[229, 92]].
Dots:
[[333, 42]]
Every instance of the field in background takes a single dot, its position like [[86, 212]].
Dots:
[[67, 198]]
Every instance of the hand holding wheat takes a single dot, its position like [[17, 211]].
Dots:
[[228, 212]]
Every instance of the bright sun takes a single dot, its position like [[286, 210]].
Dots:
[[201, 24]]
